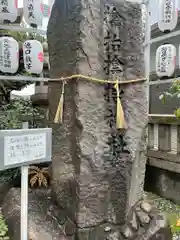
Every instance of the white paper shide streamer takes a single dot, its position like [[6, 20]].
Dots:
[[9, 55], [8, 10], [33, 12], [165, 60], [33, 56], [168, 15]]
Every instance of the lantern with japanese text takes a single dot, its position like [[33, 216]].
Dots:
[[8, 10], [9, 55], [165, 60], [33, 12], [168, 15], [33, 56]]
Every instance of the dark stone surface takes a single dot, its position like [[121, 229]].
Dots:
[[69, 228], [165, 183], [76, 44], [157, 227], [4, 189], [134, 98], [88, 181], [42, 226], [95, 178]]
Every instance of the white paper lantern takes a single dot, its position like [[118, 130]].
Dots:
[[168, 15], [50, 4], [8, 10], [165, 60], [33, 12], [33, 56], [9, 55]]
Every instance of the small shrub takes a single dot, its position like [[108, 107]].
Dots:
[[174, 91], [174, 223], [39, 177], [10, 175], [17, 111], [3, 229]]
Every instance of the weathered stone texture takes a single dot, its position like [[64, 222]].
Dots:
[[125, 39], [83, 181], [143, 223], [4, 189], [42, 225], [97, 171], [135, 99], [76, 46]]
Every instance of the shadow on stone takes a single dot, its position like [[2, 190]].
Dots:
[[165, 183]]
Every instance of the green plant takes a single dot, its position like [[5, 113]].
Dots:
[[13, 114], [10, 175], [174, 91], [174, 223], [169, 208], [39, 176], [3, 229]]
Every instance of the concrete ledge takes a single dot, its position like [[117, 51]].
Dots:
[[163, 164], [164, 119], [167, 156]]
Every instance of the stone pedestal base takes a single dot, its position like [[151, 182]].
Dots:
[[143, 223]]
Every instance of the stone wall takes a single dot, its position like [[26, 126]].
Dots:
[[165, 183]]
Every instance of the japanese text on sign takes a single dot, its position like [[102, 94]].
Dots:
[[168, 11], [4, 4], [24, 148], [7, 54], [31, 8], [28, 60], [112, 41], [164, 59]]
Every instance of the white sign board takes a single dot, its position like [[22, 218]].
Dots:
[[25, 146]]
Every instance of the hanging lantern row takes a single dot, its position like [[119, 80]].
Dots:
[[168, 15], [165, 60], [32, 55], [33, 11]]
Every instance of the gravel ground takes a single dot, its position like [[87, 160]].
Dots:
[[172, 210]]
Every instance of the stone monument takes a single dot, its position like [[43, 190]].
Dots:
[[98, 171]]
